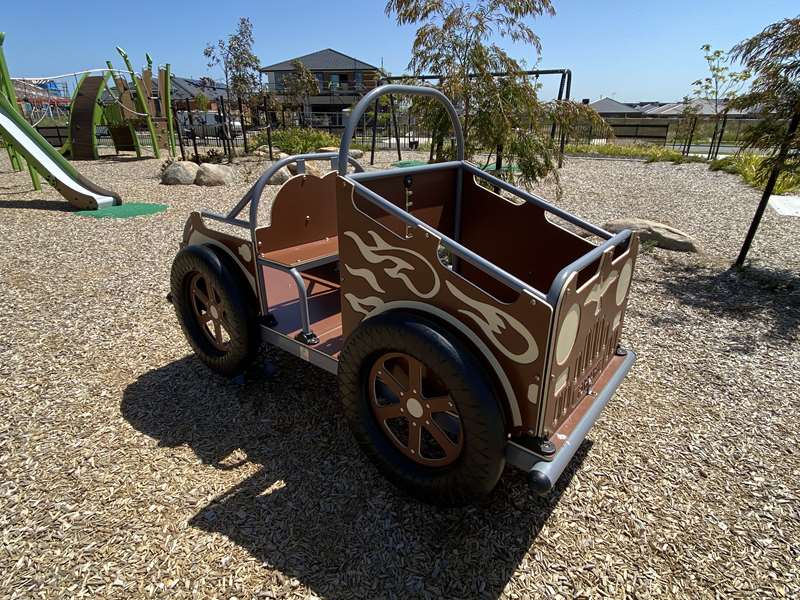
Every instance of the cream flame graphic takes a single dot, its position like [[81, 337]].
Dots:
[[368, 276], [363, 305], [375, 254], [493, 322]]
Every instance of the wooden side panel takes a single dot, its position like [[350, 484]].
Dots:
[[589, 320], [381, 270], [303, 211], [518, 238]]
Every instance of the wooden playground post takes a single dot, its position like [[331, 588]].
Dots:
[[191, 131], [140, 101], [174, 111]]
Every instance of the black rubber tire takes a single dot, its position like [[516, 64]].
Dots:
[[476, 471], [237, 300]]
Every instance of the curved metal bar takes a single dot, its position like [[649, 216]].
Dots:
[[414, 90], [253, 197]]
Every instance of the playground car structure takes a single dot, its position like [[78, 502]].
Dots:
[[468, 330]]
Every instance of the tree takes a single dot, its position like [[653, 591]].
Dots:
[[499, 114], [299, 85], [720, 87], [236, 58], [774, 57], [201, 102]]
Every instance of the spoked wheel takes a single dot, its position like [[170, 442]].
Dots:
[[422, 408], [216, 309], [210, 312], [415, 410]]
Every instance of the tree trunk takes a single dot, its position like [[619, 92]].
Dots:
[[773, 178]]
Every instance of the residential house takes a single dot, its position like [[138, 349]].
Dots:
[[341, 79]]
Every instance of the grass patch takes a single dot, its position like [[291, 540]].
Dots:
[[748, 166], [647, 152]]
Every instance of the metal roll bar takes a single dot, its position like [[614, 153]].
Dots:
[[412, 90]]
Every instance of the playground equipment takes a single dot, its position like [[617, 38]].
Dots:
[[94, 104], [24, 143], [466, 330]]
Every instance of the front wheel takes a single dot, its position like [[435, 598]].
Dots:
[[422, 408], [216, 310]]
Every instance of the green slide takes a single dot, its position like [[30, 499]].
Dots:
[[79, 191]]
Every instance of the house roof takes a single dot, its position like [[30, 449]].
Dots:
[[323, 60], [611, 106], [184, 88]]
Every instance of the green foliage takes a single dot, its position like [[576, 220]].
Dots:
[[454, 40], [774, 56], [750, 167], [647, 152], [298, 140], [721, 85], [236, 58], [202, 102], [300, 84]]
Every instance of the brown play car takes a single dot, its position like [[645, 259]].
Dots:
[[467, 330]]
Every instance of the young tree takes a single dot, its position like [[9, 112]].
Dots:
[[720, 87], [501, 114], [299, 85], [235, 57], [774, 57]]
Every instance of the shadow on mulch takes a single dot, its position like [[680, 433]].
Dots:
[[316, 509], [753, 293], [51, 205]]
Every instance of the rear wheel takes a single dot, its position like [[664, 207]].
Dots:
[[422, 408], [215, 309]]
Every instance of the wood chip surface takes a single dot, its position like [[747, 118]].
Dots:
[[129, 470]]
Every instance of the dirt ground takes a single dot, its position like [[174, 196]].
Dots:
[[129, 470]]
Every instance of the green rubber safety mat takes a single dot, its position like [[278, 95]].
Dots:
[[402, 164], [124, 211], [507, 168]]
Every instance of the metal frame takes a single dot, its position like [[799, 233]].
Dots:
[[564, 92]]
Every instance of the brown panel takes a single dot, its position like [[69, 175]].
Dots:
[[298, 255], [600, 303], [515, 237], [379, 267], [433, 199], [162, 86], [83, 143], [304, 211], [241, 250]]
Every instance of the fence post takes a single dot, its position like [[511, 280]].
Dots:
[[374, 132], [180, 130], [269, 128], [394, 121], [244, 130], [192, 132]]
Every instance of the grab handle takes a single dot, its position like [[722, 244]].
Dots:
[[412, 90]]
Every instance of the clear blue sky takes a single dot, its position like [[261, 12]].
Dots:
[[630, 50]]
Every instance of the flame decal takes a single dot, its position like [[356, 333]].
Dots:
[[494, 323], [378, 253], [368, 276], [363, 305]]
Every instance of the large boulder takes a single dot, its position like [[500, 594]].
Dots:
[[211, 175], [281, 176], [354, 152], [663, 236], [318, 168], [180, 172]]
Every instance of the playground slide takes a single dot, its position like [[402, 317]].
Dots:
[[79, 191]]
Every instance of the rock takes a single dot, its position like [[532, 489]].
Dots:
[[281, 176], [355, 153], [280, 155], [318, 168], [263, 151], [211, 174], [663, 236], [180, 172]]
